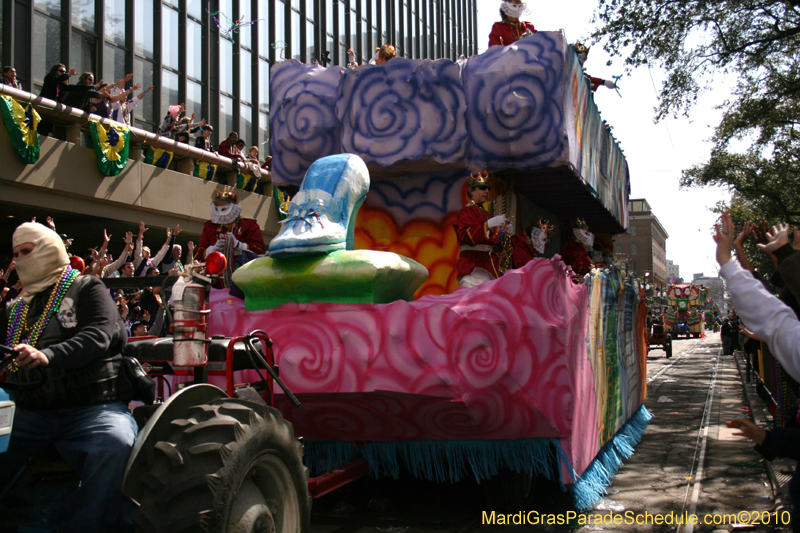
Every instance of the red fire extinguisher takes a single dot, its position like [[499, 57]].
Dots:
[[190, 343]]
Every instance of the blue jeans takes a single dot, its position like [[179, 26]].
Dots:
[[96, 440]]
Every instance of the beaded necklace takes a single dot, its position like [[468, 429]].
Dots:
[[18, 317]]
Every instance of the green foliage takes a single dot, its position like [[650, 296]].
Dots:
[[755, 40]]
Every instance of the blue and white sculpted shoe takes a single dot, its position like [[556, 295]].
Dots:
[[321, 217]]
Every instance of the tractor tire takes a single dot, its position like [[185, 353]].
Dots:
[[230, 465]]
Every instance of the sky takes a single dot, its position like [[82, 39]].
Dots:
[[656, 153]]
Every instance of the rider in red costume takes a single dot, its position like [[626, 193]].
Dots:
[[225, 218], [478, 235], [575, 252], [510, 29]]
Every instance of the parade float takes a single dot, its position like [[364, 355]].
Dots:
[[685, 311], [534, 372]]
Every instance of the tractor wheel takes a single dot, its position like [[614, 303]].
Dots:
[[230, 465]]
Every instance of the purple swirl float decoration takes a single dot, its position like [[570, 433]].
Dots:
[[302, 122], [515, 104], [406, 109]]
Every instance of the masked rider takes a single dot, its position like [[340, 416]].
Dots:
[[511, 29], [72, 391], [226, 220], [576, 251]]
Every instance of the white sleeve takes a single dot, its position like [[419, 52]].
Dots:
[[137, 253], [765, 315], [161, 253], [113, 267]]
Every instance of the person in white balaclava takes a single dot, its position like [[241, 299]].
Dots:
[[575, 252], [511, 29], [71, 390], [226, 219]]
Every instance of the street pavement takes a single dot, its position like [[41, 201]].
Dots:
[[687, 463]]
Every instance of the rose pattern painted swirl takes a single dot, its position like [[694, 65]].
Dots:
[[406, 109], [302, 122]]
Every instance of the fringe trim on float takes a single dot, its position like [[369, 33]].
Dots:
[[591, 485], [441, 461]]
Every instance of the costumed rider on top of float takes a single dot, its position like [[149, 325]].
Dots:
[[71, 390], [582, 52], [238, 239], [575, 251], [510, 29], [527, 248], [478, 235]]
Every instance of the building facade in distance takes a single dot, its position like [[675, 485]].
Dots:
[[192, 51], [673, 271], [643, 250]]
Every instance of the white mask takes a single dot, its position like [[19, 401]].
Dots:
[[539, 239], [227, 214], [514, 10], [45, 264], [585, 237]]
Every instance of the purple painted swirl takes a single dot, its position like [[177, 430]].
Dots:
[[303, 125], [405, 109]]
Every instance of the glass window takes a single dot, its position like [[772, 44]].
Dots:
[[383, 27], [342, 29], [195, 8], [263, 29], [373, 16], [329, 16], [263, 135], [115, 21], [280, 28], [194, 49], [246, 126], [226, 65], [633, 230], [143, 72], [310, 50], [46, 45], [143, 32], [225, 116], [49, 6], [194, 99], [83, 14], [114, 64], [296, 4], [363, 9], [82, 52], [375, 43], [169, 88], [263, 85], [245, 76], [330, 46], [633, 249], [310, 10], [169, 44], [245, 15], [296, 48], [353, 30], [397, 23]]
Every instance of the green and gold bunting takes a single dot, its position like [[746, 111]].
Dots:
[[204, 170], [111, 146], [158, 157], [246, 182], [21, 123]]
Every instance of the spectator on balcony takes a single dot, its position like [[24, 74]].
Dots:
[[204, 141], [187, 125], [78, 95], [253, 155], [170, 122], [10, 78], [55, 85], [227, 148]]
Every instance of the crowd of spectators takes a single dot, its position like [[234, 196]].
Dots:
[[116, 102], [141, 310], [774, 321]]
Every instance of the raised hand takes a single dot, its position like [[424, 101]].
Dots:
[[142, 228], [128, 237], [777, 237], [724, 239], [177, 230], [51, 223]]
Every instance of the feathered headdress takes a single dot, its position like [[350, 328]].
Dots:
[[580, 48]]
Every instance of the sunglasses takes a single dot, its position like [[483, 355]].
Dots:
[[485, 187], [62, 71]]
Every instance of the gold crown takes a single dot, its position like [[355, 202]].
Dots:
[[545, 226], [389, 50], [226, 193], [579, 223], [481, 178]]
